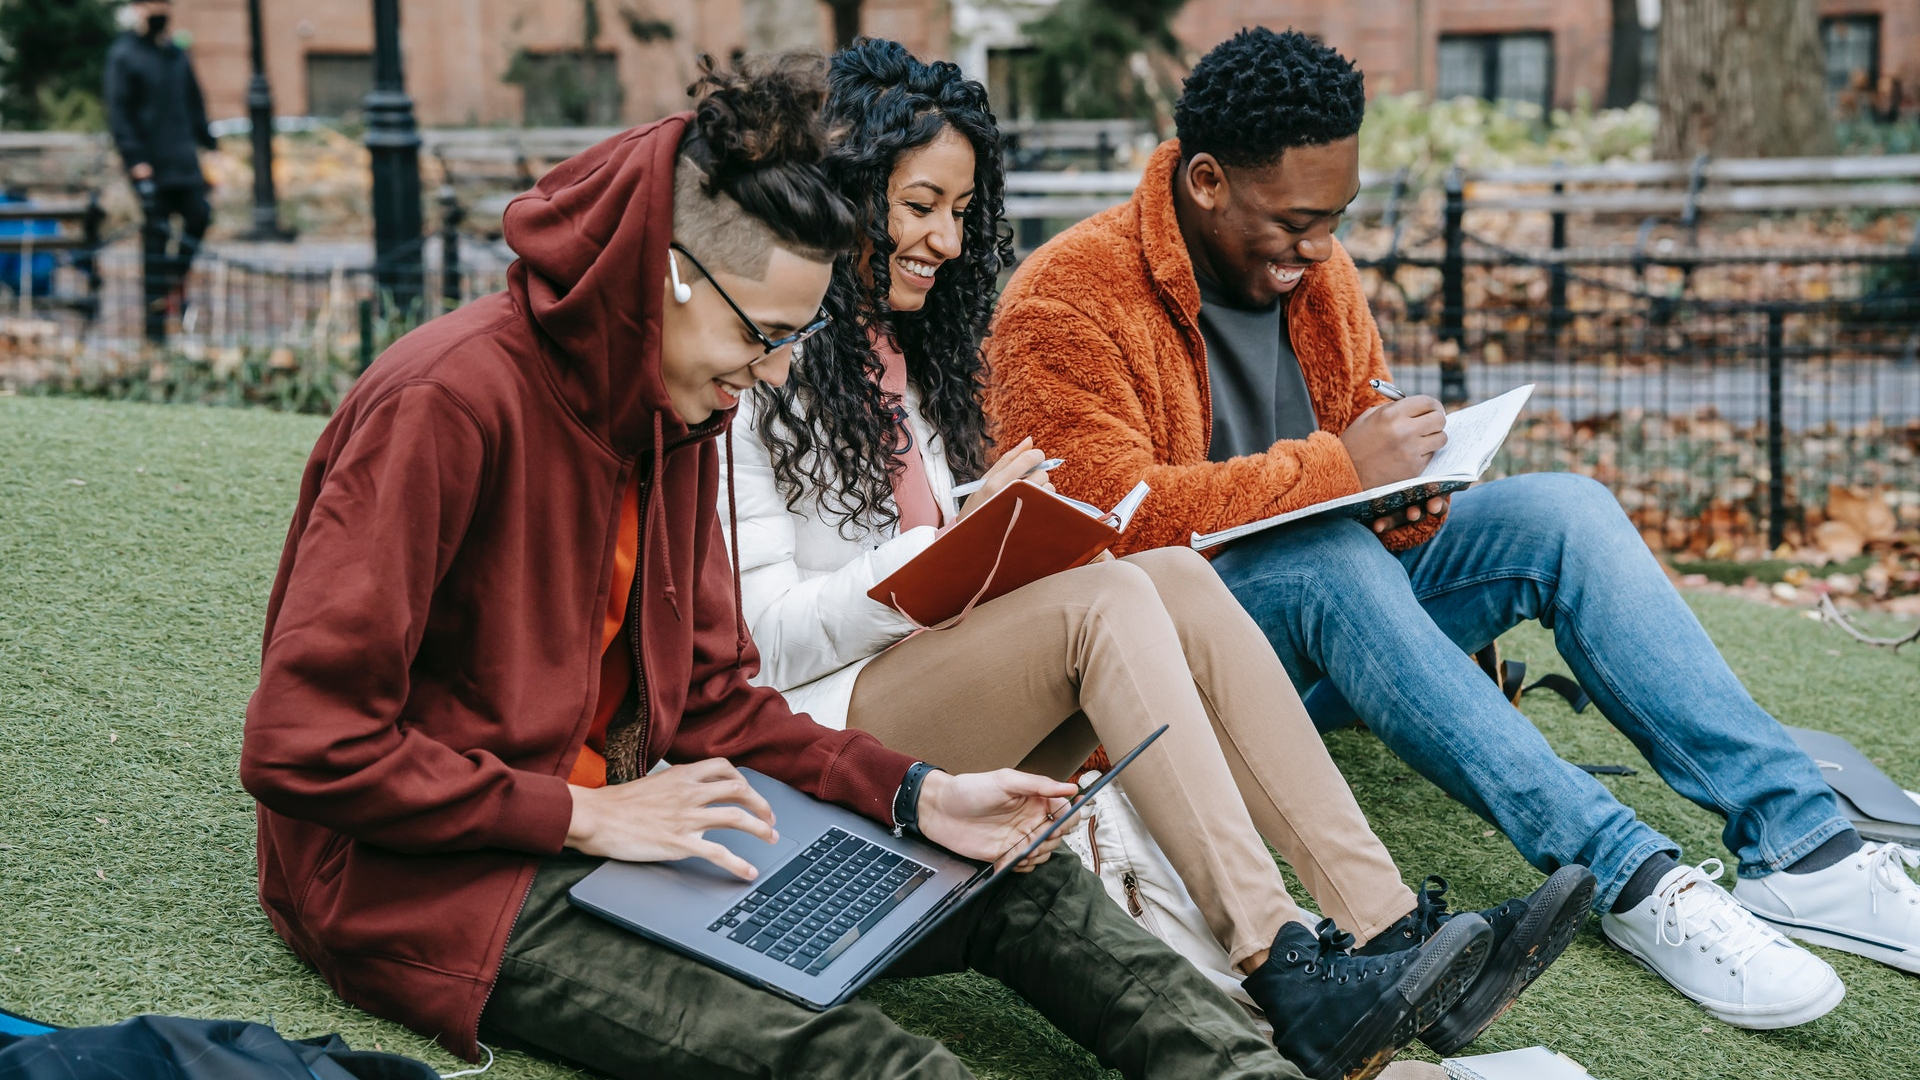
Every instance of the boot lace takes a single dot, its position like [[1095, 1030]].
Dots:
[[1330, 959], [1887, 869], [1695, 906]]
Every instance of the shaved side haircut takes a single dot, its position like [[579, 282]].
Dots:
[[749, 178], [720, 232]]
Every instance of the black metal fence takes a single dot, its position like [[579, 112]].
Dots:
[[291, 327], [1720, 420], [1720, 412]]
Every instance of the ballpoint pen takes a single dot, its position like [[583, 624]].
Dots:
[[1392, 392], [962, 490]]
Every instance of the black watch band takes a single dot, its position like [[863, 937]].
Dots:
[[906, 801]]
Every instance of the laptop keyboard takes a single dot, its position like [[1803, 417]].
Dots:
[[822, 900]]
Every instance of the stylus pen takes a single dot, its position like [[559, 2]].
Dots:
[[1392, 392], [963, 490]]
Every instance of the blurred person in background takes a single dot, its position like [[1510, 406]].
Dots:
[[159, 125]]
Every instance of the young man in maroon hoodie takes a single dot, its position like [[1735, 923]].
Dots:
[[506, 595]]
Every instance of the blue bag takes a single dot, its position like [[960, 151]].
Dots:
[[178, 1048]]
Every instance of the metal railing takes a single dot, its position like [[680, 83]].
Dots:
[[1718, 416]]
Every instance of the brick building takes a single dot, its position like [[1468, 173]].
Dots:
[[494, 62], [490, 62], [1549, 51]]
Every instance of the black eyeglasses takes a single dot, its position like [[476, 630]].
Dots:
[[771, 345]]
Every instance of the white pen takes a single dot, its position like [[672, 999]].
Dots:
[[963, 490], [1390, 391]]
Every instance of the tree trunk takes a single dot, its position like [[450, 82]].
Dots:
[[1623, 65], [846, 21], [777, 25], [1741, 78]]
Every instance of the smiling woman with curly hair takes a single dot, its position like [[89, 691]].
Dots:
[[834, 432], [848, 470]]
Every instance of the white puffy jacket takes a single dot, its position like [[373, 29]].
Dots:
[[804, 584]]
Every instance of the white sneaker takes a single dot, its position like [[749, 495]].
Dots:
[[1691, 933], [1863, 904]]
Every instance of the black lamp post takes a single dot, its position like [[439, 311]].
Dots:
[[394, 142], [266, 209]]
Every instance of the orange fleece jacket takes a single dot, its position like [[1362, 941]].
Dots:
[[1096, 352]]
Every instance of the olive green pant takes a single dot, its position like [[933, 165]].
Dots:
[[582, 989]]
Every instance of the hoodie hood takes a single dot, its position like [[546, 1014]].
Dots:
[[592, 244]]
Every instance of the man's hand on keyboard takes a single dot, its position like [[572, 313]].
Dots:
[[662, 817], [992, 815]]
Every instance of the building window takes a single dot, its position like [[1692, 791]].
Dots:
[[568, 89], [338, 83], [1497, 67], [1853, 53]]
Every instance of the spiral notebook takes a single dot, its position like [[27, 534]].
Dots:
[[1474, 436], [1532, 1063]]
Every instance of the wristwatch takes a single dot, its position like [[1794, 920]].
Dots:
[[906, 801]]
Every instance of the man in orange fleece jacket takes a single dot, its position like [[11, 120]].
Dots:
[[1211, 337]]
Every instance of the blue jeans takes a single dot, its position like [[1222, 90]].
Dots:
[[1387, 633]]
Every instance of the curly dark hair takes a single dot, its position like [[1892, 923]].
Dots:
[[1258, 94], [831, 430]]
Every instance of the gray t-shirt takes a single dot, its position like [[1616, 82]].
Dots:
[[1259, 395]]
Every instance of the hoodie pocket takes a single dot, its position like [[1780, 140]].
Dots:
[[333, 856]]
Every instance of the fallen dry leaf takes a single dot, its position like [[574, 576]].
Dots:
[[1865, 510], [1839, 539]]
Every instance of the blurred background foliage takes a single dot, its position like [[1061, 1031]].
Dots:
[[1412, 132], [1106, 59], [52, 60]]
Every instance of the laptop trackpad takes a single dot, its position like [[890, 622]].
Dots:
[[762, 855]]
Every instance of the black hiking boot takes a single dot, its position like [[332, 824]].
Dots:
[[1337, 1016], [1528, 934]]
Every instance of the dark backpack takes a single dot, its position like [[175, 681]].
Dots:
[[179, 1048]]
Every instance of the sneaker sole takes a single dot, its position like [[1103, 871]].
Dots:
[[1792, 1014], [1448, 964], [1904, 959], [1555, 913]]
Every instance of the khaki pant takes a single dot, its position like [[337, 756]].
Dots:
[[1108, 652]]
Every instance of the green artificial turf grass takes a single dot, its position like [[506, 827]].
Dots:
[[130, 609]]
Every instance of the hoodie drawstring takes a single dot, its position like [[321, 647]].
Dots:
[[669, 593], [733, 558]]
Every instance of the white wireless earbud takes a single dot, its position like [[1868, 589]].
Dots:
[[682, 292]]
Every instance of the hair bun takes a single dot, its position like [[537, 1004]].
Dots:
[[874, 62], [763, 114]]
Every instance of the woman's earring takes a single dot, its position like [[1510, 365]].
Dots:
[[682, 292]]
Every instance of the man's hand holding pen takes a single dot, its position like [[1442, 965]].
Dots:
[[1393, 442]]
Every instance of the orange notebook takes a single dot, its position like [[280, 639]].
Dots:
[[1020, 536]]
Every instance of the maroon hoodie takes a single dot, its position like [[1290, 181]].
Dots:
[[433, 638]]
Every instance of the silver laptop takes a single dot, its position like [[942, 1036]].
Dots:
[[838, 898]]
